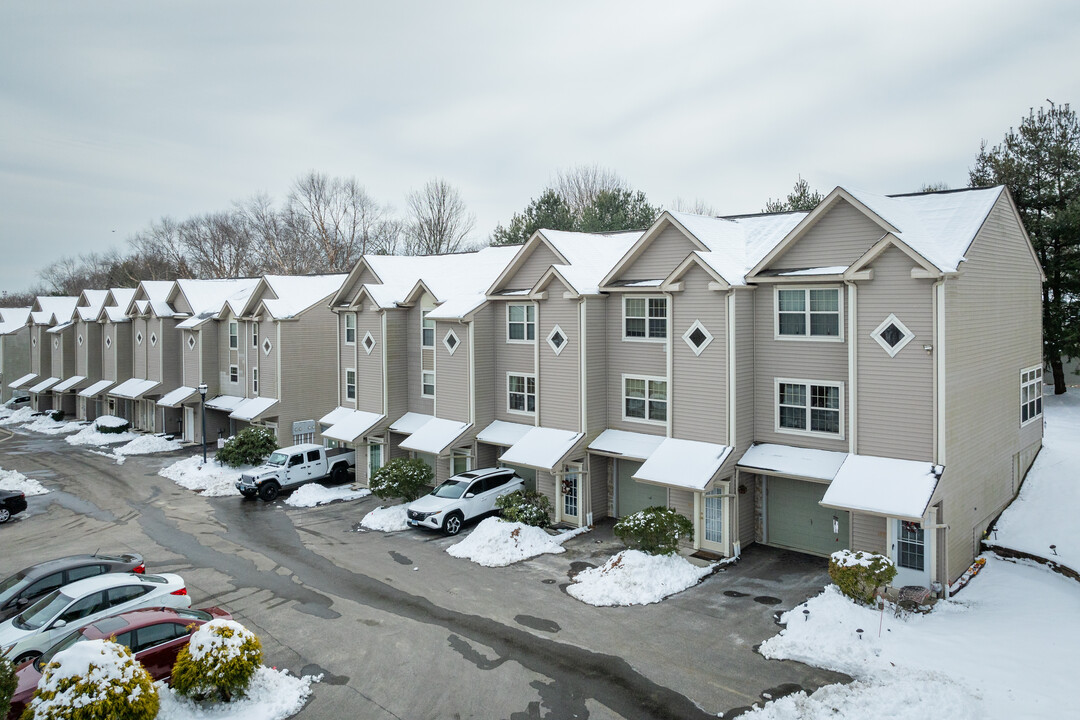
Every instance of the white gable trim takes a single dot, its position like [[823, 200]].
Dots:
[[522, 255], [645, 240]]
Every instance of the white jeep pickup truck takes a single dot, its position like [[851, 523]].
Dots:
[[290, 467]]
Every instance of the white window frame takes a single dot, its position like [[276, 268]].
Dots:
[[807, 337], [908, 336], [557, 349], [446, 341], [234, 373], [807, 383], [368, 348], [526, 323], [424, 328], [255, 381], [350, 328], [535, 395], [350, 387], [459, 454], [649, 337], [234, 335], [648, 399], [424, 383], [697, 350], [375, 444], [1031, 377]]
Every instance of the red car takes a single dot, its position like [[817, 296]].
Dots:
[[154, 635]]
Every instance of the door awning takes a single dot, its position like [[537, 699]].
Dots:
[[227, 403], [883, 486], [134, 388], [72, 383], [503, 433], [791, 461], [683, 464], [542, 448], [177, 397], [96, 389], [409, 423], [346, 424], [23, 381], [629, 445], [435, 436], [44, 385], [253, 408]]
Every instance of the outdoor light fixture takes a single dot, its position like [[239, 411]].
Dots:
[[928, 348], [202, 392]]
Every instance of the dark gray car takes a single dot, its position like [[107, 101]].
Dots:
[[25, 586]]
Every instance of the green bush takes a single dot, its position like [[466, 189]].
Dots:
[[405, 478], [57, 415], [859, 574], [218, 662], [8, 684], [113, 429], [94, 680], [526, 506], [655, 530], [250, 446]]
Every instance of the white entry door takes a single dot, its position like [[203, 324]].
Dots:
[[570, 495], [713, 521], [189, 424], [911, 554]]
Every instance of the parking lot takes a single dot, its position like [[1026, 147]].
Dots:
[[401, 629]]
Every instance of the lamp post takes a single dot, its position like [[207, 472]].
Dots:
[[202, 392]]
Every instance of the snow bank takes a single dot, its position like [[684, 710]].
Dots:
[[15, 480], [636, 578], [386, 519], [314, 494], [47, 426], [147, 445], [272, 695], [212, 479], [93, 437], [497, 543], [905, 699], [22, 415]]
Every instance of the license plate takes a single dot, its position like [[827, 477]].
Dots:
[[413, 523]]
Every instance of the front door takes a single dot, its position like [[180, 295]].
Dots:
[[189, 424], [570, 494], [712, 520], [910, 553]]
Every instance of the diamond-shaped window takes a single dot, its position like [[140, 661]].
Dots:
[[557, 339], [697, 337], [267, 346], [368, 342], [153, 339], [892, 335], [56, 343], [138, 338], [80, 341], [191, 341], [108, 341], [451, 341], [33, 341]]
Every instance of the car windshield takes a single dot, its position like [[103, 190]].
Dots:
[[42, 611], [11, 586], [277, 459], [63, 644], [450, 489]]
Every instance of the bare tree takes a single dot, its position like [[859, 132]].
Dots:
[[697, 206], [580, 185], [438, 221], [160, 251], [218, 245], [279, 236], [342, 220]]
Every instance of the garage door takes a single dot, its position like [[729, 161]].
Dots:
[[795, 519], [525, 473], [633, 496]]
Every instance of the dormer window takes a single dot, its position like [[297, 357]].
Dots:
[[808, 313], [645, 318], [350, 328], [427, 333], [254, 334], [234, 335], [521, 322]]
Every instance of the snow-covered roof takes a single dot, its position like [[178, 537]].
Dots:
[[541, 448], [227, 403], [409, 423], [252, 408], [208, 297], [116, 313], [116, 305], [134, 388], [97, 388], [69, 384], [503, 433], [90, 304], [53, 309], [632, 445], [435, 436], [293, 294], [44, 385], [57, 329], [683, 464], [177, 397], [591, 255], [156, 299], [346, 424], [13, 320], [22, 382], [884, 486], [195, 321], [793, 461]]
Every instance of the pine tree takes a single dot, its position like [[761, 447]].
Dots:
[[801, 197]]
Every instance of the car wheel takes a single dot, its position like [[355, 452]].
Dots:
[[452, 524], [26, 656], [269, 491], [339, 474], [5, 515]]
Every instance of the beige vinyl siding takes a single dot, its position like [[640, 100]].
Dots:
[[545, 485], [682, 502], [154, 326], [369, 366], [660, 256], [744, 369], [868, 533], [535, 265], [305, 351], [417, 361], [227, 357], [191, 356], [992, 312], [795, 359], [138, 327], [452, 374], [108, 354], [747, 511], [208, 339], [124, 344], [838, 238], [630, 358], [895, 395], [486, 389], [487, 455], [510, 358], [348, 359], [699, 382], [558, 379], [169, 349], [596, 366], [598, 486], [92, 351], [398, 372]]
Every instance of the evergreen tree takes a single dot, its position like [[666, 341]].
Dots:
[[801, 197], [547, 211]]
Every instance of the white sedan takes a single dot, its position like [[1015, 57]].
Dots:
[[36, 629], [465, 496]]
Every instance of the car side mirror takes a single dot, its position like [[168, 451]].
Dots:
[[469, 495], [59, 624], [22, 602]]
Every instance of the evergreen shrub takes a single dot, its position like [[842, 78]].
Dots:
[[218, 662], [8, 685], [859, 574], [526, 506], [655, 530], [250, 446], [405, 478]]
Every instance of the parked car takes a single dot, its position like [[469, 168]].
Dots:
[[17, 401], [38, 627], [27, 585], [154, 635], [290, 467], [465, 496], [12, 502]]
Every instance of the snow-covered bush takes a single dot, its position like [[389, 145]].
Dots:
[[94, 680], [111, 425], [250, 446], [655, 530], [859, 574], [526, 506], [8, 683], [404, 478], [218, 662], [57, 415]]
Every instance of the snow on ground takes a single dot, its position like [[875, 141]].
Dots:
[[913, 698], [314, 494], [636, 578], [15, 480], [212, 479], [90, 435], [386, 519], [20, 416], [147, 445], [1045, 512], [47, 426], [272, 695], [1007, 646], [497, 543]]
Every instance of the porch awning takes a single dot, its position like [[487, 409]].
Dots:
[[503, 433], [793, 461], [22, 382], [71, 383], [134, 388], [685, 464], [542, 448], [177, 397], [44, 385], [630, 445], [884, 486], [96, 389], [228, 403], [435, 436], [409, 423], [253, 408], [347, 425]]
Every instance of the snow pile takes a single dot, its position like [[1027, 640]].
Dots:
[[147, 445], [314, 494], [497, 543], [906, 699], [90, 435], [636, 578], [386, 519], [110, 421], [212, 479], [88, 672], [15, 480], [1006, 647], [272, 695], [47, 426], [22, 415]]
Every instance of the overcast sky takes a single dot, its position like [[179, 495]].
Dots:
[[113, 114]]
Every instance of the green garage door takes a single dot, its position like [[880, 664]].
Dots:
[[525, 473], [795, 519], [633, 496]]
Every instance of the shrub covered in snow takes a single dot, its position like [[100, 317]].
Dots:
[[94, 680], [111, 425], [8, 683], [859, 574], [404, 478], [655, 530], [526, 506], [57, 415], [218, 662], [250, 446]]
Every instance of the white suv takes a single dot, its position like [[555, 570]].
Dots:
[[465, 496]]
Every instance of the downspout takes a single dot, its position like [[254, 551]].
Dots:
[[385, 380], [536, 374], [583, 365], [472, 377], [853, 375], [340, 380], [939, 371], [731, 378], [669, 364]]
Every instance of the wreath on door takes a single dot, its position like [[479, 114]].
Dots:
[[567, 486]]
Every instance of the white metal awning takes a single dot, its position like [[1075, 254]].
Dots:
[[883, 486], [228, 403], [177, 397], [685, 464], [503, 433], [44, 385], [97, 388], [346, 424], [435, 436], [542, 448], [792, 461], [253, 408], [22, 382], [630, 445], [70, 384], [409, 423], [134, 388]]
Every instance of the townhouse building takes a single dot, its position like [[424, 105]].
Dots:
[[14, 350], [86, 345], [114, 349], [51, 331]]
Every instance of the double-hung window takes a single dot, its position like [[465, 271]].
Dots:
[[521, 323], [234, 373], [254, 334], [521, 393], [427, 333], [911, 546], [808, 407], [1030, 394], [255, 381], [234, 335], [350, 384], [427, 383], [808, 313], [645, 318], [350, 328], [645, 399]]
